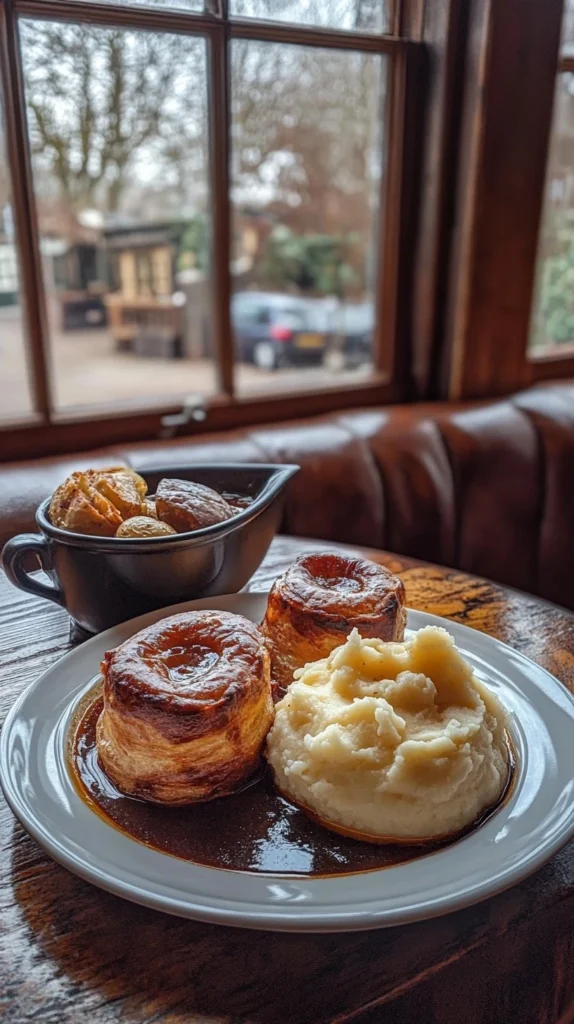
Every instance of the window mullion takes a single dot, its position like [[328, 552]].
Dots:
[[390, 254], [31, 284], [311, 35], [219, 128]]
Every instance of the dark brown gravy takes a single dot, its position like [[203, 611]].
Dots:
[[254, 830]]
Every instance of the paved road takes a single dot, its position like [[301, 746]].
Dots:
[[88, 371]]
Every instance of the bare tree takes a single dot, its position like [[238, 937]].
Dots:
[[102, 100], [307, 138], [363, 15], [118, 121]]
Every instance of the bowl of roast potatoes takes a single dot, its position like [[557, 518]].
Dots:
[[115, 543]]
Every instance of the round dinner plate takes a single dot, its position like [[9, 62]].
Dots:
[[536, 819]]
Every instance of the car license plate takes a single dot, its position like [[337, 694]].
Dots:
[[309, 341]]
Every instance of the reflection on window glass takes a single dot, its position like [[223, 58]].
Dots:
[[553, 315], [305, 187], [15, 396], [357, 15], [118, 134]]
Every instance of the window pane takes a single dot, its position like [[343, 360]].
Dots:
[[553, 314], [306, 181], [186, 5], [360, 15], [15, 395], [568, 28], [118, 132]]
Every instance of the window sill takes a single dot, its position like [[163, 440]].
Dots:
[[83, 429], [551, 363]]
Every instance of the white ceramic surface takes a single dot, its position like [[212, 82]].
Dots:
[[534, 822]]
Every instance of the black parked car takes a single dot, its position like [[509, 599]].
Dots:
[[273, 330]]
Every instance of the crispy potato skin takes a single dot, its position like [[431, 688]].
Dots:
[[144, 526], [189, 506], [97, 501]]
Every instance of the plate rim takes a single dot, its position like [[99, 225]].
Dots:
[[269, 920]]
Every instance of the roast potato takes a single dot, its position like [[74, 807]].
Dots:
[[189, 506], [96, 501], [144, 526]]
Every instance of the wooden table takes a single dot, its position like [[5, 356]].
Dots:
[[70, 953]]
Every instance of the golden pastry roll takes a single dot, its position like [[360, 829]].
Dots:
[[316, 603], [187, 707]]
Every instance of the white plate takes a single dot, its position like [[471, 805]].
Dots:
[[530, 826]]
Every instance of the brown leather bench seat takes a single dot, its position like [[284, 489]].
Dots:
[[484, 487]]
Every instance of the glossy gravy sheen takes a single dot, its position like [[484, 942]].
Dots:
[[239, 501], [254, 830]]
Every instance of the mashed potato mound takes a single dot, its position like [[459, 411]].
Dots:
[[394, 740]]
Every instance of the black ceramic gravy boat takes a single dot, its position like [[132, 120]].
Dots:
[[105, 580]]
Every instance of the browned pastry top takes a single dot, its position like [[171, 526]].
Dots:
[[190, 672], [340, 587]]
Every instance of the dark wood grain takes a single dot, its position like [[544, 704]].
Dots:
[[508, 99], [444, 33], [219, 99], [69, 952]]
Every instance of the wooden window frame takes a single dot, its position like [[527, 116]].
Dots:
[[555, 360], [510, 78], [48, 430]]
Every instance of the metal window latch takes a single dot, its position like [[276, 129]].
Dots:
[[192, 410]]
